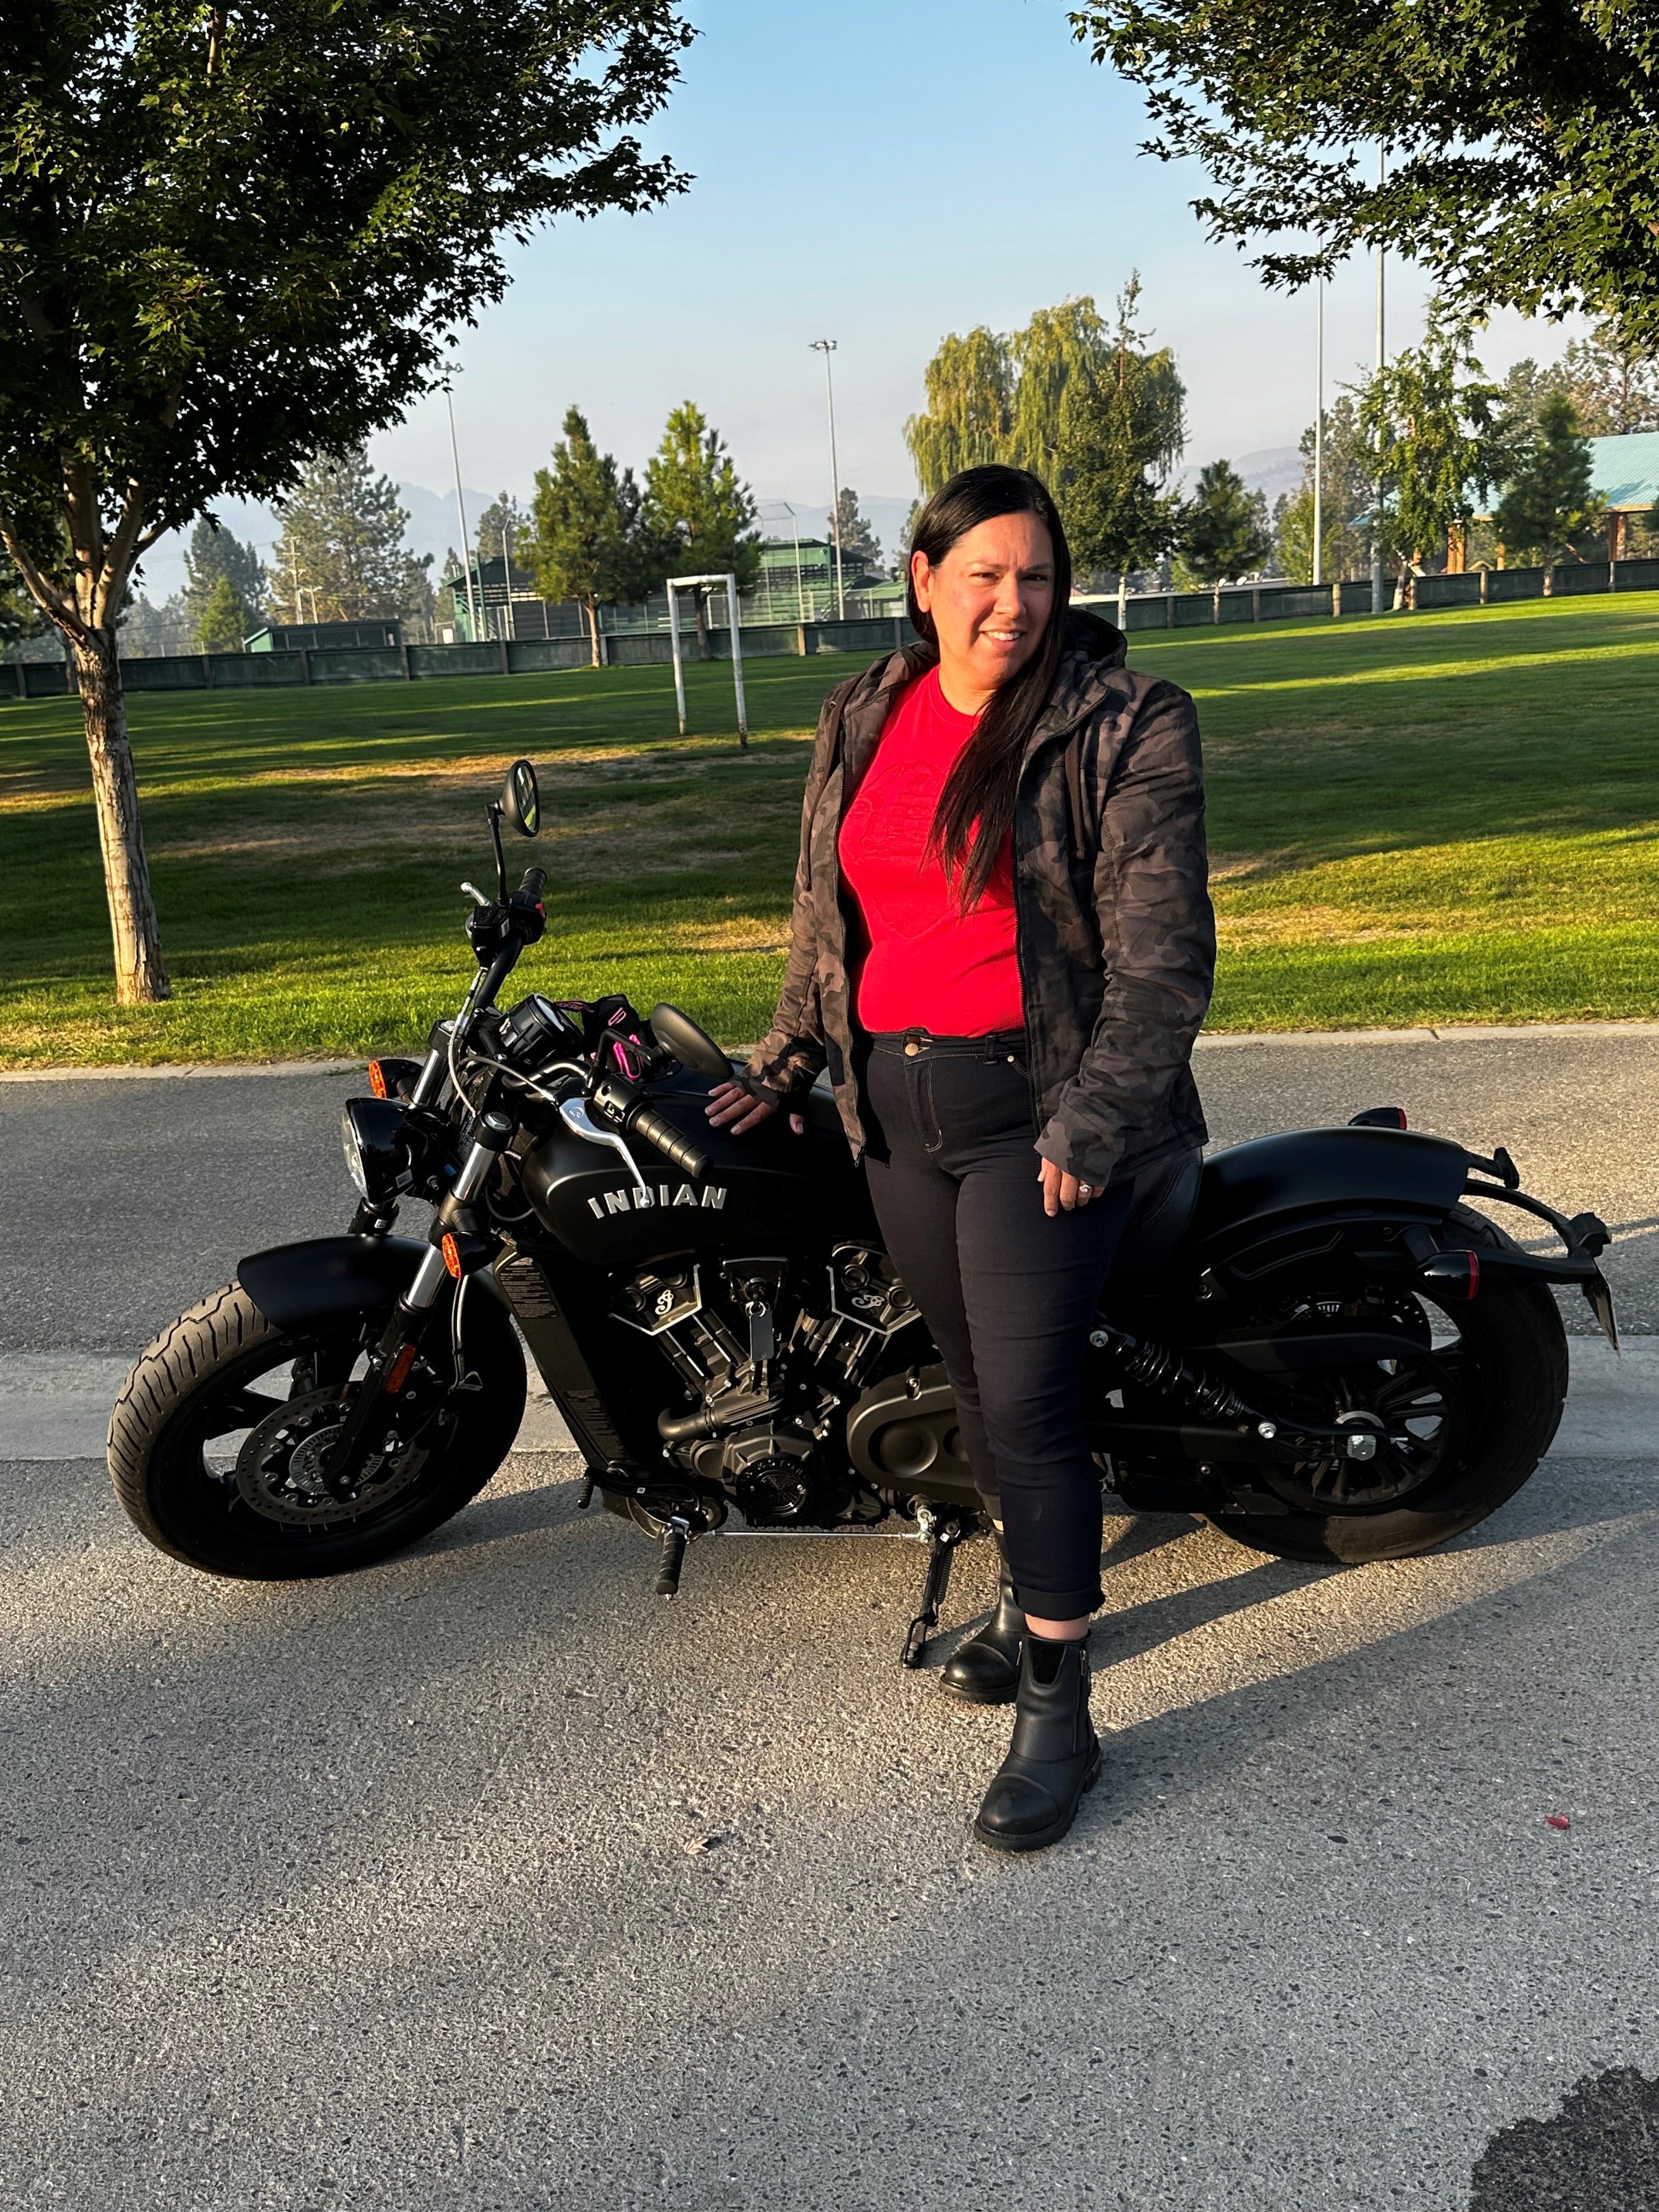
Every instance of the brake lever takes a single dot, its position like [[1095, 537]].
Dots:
[[573, 1113]]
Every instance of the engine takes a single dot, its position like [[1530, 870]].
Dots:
[[772, 1361]]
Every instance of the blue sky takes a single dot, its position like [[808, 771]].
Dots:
[[880, 172]]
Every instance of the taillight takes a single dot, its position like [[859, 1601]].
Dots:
[[1457, 1273]]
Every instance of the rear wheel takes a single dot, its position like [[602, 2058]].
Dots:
[[219, 1438], [1459, 1428]]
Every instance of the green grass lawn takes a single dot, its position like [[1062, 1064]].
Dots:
[[1441, 818]]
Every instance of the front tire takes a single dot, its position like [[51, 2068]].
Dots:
[[187, 1483]]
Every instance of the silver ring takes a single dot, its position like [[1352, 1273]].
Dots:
[[1084, 1191]]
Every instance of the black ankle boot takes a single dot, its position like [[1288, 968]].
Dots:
[[1053, 1758], [985, 1670]]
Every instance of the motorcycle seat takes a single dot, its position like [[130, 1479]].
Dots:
[[1165, 1195]]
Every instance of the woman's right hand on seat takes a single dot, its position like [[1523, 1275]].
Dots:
[[731, 1106]]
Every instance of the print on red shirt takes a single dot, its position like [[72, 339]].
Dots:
[[929, 967]]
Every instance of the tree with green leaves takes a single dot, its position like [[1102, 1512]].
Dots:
[[969, 420], [861, 549], [1613, 383], [20, 618], [1547, 506], [583, 542], [225, 620], [1224, 533], [1435, 441], [214, 555], [341, 556], [1522, 162], [238, 233], [1120, 434], [1347, 493], [698, 510]]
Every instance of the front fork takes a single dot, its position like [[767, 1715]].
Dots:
[[400, 1340]]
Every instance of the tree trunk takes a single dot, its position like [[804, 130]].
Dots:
[[1215, 606], [700, 602], [1549, 575], [592, 607], [1123, 599], [140, 977]]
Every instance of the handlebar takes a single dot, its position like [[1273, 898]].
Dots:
[[665, 1139], [534, 882]]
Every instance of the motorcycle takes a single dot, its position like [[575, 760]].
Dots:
[[1313, 1340]]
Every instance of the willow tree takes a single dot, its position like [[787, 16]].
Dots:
[[1435, 442], [237, 234], [969, 418]]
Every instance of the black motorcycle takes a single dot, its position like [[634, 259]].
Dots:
[[1310, 1339]]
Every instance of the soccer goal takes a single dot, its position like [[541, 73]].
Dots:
[[686, 583]]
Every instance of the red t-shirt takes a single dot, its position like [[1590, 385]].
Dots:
[[928, 966]]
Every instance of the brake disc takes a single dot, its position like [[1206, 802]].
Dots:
[[280, 1468]]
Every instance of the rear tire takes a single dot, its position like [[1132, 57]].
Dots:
[[1515, 1351], [197, 1381]]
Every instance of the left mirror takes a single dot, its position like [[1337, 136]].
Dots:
[[521, 801]]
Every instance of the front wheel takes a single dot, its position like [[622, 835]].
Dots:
[[218, 1441]]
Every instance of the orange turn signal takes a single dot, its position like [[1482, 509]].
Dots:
[[398, 1374], [451, 1257], [377, 1078]]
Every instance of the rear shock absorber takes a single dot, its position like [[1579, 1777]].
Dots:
[[1156, 1367]]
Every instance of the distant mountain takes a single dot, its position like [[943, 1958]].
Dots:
[[1276, 468], [432, 528]]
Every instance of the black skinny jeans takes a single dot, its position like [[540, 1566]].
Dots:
[[1007, 1293]]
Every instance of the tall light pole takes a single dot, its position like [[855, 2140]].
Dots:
[[1319, 433], [1381, 355], [460, 508], [826, 347]]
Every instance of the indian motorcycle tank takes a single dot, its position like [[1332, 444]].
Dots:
[[767, 1191]]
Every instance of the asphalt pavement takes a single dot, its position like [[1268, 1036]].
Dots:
[[485, 1880]]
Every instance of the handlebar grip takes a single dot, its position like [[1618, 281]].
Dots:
[[665, 1137], [535, 882]]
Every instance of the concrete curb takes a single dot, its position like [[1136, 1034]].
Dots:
[[1218, 1041], [171, 1071]]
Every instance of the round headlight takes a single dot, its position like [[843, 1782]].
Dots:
[[374, 1143], [352, 1146]]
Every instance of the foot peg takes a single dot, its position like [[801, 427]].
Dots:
[[674, 1536]]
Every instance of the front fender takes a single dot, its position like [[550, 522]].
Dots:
[[327, 1276]]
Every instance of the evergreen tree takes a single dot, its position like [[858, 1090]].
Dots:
[[1547, 505], [1120, 433], [698, 510], [1225, 532], [584, 539], [214, 555], [147, 631], [341, 556], [1347, 492], [860, 550], [1432, 428], [225, 621], [1612, 382]]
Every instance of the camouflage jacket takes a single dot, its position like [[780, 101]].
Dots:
[[1115, 932]]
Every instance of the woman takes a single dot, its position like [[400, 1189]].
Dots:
[[1002, 948]]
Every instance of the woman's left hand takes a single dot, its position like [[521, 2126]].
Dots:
[[1061, 1190]]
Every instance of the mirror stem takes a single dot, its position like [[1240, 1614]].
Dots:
[[493, 811]]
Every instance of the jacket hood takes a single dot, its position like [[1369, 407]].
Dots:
[[1092, 649]]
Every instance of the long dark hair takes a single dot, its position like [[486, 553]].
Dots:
[[977, 806]]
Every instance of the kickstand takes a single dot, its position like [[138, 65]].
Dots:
[[942, 1538]]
